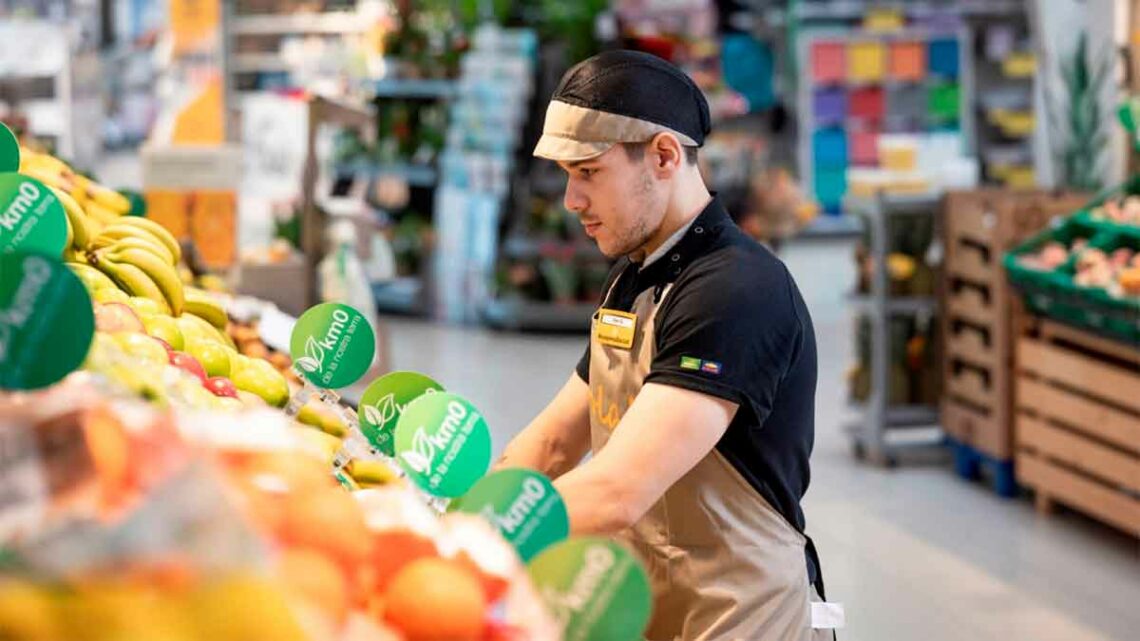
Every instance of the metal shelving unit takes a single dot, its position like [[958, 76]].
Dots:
[[871, 436]]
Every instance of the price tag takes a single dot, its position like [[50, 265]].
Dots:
[[385, 401], [9, 150], [443, 443], [523, 505], [595, 589], [332, 345], [31, 217], [46, 321]]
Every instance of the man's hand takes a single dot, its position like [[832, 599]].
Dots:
[[558, 438], [662, 436]]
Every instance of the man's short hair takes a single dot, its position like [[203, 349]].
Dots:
[[635, 151]]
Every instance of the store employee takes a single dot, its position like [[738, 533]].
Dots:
[[696, 394]]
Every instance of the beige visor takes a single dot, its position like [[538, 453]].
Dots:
[[571, 133]]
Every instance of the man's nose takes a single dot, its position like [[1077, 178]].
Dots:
[[574, 200]]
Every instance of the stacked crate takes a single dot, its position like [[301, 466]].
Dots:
[[1078, 421], [977, 411]]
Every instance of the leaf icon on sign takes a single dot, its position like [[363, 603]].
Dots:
[[313, 360], [419, 457], [373, 415]]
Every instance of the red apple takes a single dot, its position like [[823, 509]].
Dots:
[[184, 361], [117, 317], [166, 346], [221, 386]]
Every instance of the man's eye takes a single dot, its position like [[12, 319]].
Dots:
[[586, 172]]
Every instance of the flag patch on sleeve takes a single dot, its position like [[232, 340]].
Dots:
[[710, 367], [700, 365]]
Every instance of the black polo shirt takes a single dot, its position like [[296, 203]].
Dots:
[[734, 326]]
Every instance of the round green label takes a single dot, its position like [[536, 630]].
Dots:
[[9, 150], [138, 202], [333, 345], [443, 443], [31, 217], [46, 321], [523, 505], [594, 588], [384, 401]]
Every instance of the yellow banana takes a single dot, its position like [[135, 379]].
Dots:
[[158, 231], [103, 241], [206, 307], [90, 275], [101, 213], [47, 161], [67, 248], [132, 280], [48, 178], [161, 273], [370, 472], [109, 198], [81, 229]]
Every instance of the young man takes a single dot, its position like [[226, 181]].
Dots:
[[696, 394]]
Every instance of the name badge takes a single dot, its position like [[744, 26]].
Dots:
[[615, 328]]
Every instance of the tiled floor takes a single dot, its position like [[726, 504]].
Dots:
[[913, 553]]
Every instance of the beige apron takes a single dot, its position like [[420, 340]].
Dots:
[[723, 563]]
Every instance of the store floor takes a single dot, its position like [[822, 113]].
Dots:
[[913, 553]]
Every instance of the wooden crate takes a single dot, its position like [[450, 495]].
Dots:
[[978, 227], [1078, 422]]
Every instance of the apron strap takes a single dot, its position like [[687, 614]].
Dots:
[[815, 571]]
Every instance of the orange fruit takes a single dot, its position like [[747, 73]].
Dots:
[[327, 519], [316, 578], [494, 587], [394, 549], [110, 453], [436, 600]]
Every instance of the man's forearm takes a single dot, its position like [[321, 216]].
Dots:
[[534, 448], [594, 504]]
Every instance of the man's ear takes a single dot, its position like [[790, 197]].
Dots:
[[666, 155]]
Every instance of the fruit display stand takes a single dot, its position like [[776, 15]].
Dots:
[[1084, 271], [156, 451], [976, 410], [1078, 421]]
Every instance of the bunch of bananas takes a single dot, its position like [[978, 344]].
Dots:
[[138, 254], [89, 206], [142, 258]]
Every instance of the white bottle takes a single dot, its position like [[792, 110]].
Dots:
[[341, 272]]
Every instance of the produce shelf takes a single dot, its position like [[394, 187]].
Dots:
[[416, 175]]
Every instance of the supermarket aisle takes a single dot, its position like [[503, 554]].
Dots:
[[962, 565]]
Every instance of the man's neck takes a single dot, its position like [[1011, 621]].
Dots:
[[686, 203]]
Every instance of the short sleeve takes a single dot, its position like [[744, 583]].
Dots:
[[583, 368], [730, 337]]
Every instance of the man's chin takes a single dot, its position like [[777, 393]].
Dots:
[[609, 251]]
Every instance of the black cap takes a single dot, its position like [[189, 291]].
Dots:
[[621, 96]]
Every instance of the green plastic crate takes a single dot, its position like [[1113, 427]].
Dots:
[[1053, 294]]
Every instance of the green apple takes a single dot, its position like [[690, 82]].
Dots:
[[110, 295], [260, 377], [145, 305], [92, 278], [166, 328], [215, 358], [142, 347]]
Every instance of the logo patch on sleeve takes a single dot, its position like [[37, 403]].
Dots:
[[700, 365], [710, 367]]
